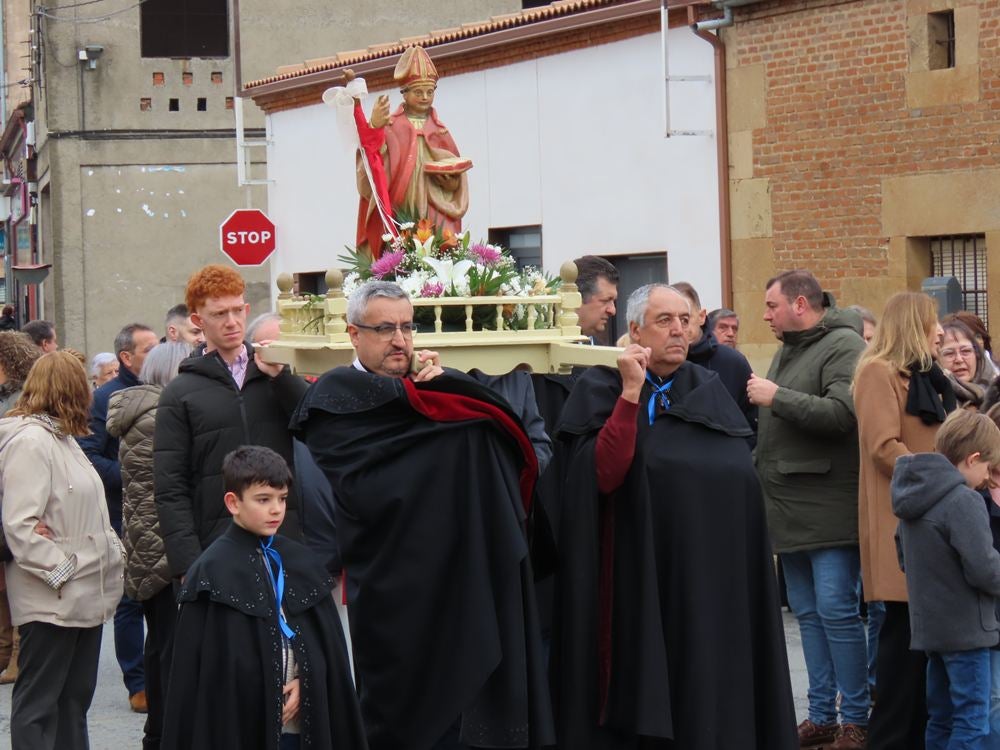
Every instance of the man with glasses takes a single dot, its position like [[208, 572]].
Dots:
[[220, 400], [433, 476]]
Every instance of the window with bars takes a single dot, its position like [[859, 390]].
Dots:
[[964, 257], [941, 40]]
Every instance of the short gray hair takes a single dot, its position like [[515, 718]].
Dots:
[[268, 317], [638, 301], [100, 359], [125, 340], [160, 365], [722, 312], [357, 305]]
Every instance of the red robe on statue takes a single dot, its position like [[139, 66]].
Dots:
[[410, 190]]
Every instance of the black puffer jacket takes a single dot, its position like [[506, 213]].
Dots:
[[201, 417], [131, 419]]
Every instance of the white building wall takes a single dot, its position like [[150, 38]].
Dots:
[[574, 142]]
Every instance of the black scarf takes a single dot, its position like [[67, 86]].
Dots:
[[931, 396]]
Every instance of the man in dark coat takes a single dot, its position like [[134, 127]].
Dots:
[[668, 632], [704, 349], [433, 478], [220, 400], [132, 344]]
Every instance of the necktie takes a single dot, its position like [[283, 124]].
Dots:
[[659, 392], [277, 579]]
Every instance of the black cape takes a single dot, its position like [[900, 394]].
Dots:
[[225, 679], [551, 394], [431, 527], [694, 653], [733, 370]]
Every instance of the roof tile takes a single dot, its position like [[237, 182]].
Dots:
[[439, 36]]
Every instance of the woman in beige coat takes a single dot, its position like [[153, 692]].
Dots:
[[901, 397], [64, 584]]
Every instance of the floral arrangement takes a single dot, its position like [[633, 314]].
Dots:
[[428, 262]]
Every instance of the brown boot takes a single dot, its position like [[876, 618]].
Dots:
[[137, 702], [851, 737], [10, 673], [815, 735]]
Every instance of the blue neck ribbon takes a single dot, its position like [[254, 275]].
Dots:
[[659, 391], [277, 580]]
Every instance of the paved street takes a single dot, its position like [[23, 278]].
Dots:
[[114, 727]]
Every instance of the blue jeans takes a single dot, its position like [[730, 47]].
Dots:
[[824, 587], [994, 743], [958, 690], [876, 616], [128, 644]]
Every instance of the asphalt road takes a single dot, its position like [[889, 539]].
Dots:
[[113, 726]]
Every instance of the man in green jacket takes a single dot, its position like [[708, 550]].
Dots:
[[807, 459]]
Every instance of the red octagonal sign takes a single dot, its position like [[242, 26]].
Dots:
[[247, 237]]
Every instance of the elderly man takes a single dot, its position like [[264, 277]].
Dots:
[[669, 633], [433, 476], [724, 324], [807, 458]]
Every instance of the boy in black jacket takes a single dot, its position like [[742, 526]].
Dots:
[[260, 661]]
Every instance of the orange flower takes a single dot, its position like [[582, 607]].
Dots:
[[448, 240], [425, 230]]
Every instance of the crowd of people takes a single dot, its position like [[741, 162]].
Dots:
[[527, 560]]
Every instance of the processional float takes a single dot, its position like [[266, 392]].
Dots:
[[471, 301]]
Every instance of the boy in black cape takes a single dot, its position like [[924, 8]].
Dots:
[[247, 674], [668, 632]]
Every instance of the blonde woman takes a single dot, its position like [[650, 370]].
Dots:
[[901, 397], [66, 577]]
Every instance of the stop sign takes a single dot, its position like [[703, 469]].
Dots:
[[247, 237]]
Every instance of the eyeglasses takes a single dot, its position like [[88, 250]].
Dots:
[[388, 332], [965, 351]]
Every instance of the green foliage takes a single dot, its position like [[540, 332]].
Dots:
[[356, 261]]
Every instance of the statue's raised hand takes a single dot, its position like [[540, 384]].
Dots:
[[380, 112]]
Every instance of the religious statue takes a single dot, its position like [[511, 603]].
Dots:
[[425, 174]]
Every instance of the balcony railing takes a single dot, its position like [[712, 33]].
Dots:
[[494, 334]]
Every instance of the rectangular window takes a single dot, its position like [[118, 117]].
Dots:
[[634, 271], [184, 28], [941, 40], [524, 243], [313, 282], [964, 257]]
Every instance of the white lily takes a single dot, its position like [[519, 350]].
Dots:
[[426, 248], [449, 272]]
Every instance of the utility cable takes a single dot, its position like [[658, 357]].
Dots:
[[93, 19]]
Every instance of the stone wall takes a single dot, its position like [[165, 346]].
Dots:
[[848, 150]]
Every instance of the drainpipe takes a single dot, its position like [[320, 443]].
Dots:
[[702, 29], [721, 145]]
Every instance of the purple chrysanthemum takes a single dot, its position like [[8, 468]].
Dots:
[[387, 264], [435, 289], [485, 254]]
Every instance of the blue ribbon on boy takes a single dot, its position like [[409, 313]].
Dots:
[[277, 578]]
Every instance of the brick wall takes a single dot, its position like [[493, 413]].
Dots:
[[841, 114]]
